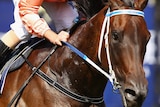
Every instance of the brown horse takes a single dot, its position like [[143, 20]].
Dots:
[[72, 82]]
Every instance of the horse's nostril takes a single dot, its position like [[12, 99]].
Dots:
[[130, 94]]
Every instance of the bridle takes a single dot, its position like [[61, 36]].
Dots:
[[105, 36]]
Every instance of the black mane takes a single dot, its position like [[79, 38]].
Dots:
[[89, 7]]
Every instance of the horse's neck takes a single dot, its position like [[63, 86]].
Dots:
[[73, 72]]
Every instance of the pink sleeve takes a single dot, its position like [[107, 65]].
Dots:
[[32, 22]]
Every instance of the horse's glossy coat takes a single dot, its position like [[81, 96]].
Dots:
[[128, 37]]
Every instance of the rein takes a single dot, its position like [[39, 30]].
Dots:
[[34, 69], [105, 35], [83, 56], [53, 83]]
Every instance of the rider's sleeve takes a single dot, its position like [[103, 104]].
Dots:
[[32, 22]]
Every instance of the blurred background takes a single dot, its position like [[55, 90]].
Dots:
[[152, 57]]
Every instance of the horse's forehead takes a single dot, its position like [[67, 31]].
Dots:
[[127, 22], [119, 22]]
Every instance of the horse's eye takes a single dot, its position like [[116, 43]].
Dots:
[[115, 35]]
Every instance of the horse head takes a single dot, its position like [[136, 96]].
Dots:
[[128, 37]]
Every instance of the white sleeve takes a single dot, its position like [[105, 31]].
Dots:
[[18, 26]]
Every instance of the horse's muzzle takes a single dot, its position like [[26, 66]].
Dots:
[[135, 94]]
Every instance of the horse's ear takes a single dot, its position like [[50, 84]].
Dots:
[[115, 4], [140, 4]]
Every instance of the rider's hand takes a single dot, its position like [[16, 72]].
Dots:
[[62, 36], [56, 38]]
